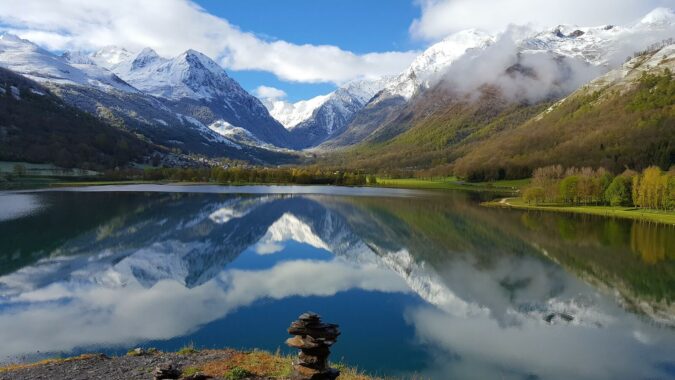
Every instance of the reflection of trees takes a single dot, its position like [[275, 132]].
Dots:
[[651, 241], [64, 217], [636, 259]]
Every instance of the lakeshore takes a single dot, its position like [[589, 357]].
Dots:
[[635, 213], [503, 187], [225, 364]]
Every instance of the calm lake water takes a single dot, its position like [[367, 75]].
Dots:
[[421, 283]]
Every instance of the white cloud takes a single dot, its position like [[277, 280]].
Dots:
[[543, 350], [173, 26], [267, 92], [96, 315], [440, 18]]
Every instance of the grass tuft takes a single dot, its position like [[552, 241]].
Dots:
[[188, 349]]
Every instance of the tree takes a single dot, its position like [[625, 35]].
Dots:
[[654, 189], [569, 189], [534, 194], [547, 178], [670, 197], [635, 190], [619, 193], [651, 192]]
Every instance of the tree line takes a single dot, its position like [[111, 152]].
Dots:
[[653, 188], [246, 175]]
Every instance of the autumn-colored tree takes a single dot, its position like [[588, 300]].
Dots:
[[654, 189]]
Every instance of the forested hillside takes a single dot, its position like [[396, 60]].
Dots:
[[36, 126], [611, 127], [431, 131], [625, 118]]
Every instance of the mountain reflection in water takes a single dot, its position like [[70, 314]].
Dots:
[[435, 284]]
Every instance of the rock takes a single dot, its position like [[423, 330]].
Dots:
[[314, 339], [550, 318], [166, 371], [197, 376]]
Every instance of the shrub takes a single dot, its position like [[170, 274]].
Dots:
[[238, 373]]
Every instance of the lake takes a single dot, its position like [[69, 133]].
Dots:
[[426, 284]]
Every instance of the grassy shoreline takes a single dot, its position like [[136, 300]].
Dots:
[[453, 183], [447, 183], [633, 213]]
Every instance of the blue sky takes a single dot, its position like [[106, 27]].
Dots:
[[360, 26]]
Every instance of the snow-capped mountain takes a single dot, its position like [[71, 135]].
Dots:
[[83, 80], [432, 61], [315, 120], [110, 56], [190, 75], [292, 114], [194, 85], [34, 62], [606, 45], [397, 90], [600, 48]]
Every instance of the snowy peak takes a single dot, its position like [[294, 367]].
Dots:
[[606, 45], [364, 90], [12, 38], [659, 17], [197, 60], [443, 53], [190, 75], [433, 60], [292, 114], [30, 60], [313, 121], [110, 56], [78, 57], [194, 77], [342, 101], [144, 58]]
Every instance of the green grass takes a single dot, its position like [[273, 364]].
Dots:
[[188, 349], [452, 183], [103, 183], [667, 217], [444, 183], [190, 371]]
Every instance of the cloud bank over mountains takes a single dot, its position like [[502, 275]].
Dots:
[[173, 26], [440, 18]]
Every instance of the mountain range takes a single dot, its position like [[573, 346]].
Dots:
[[468, 88]]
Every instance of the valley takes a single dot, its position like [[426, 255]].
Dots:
[[420, 189], [560, 96]]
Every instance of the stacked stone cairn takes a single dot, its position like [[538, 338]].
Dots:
[[313, 338]]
